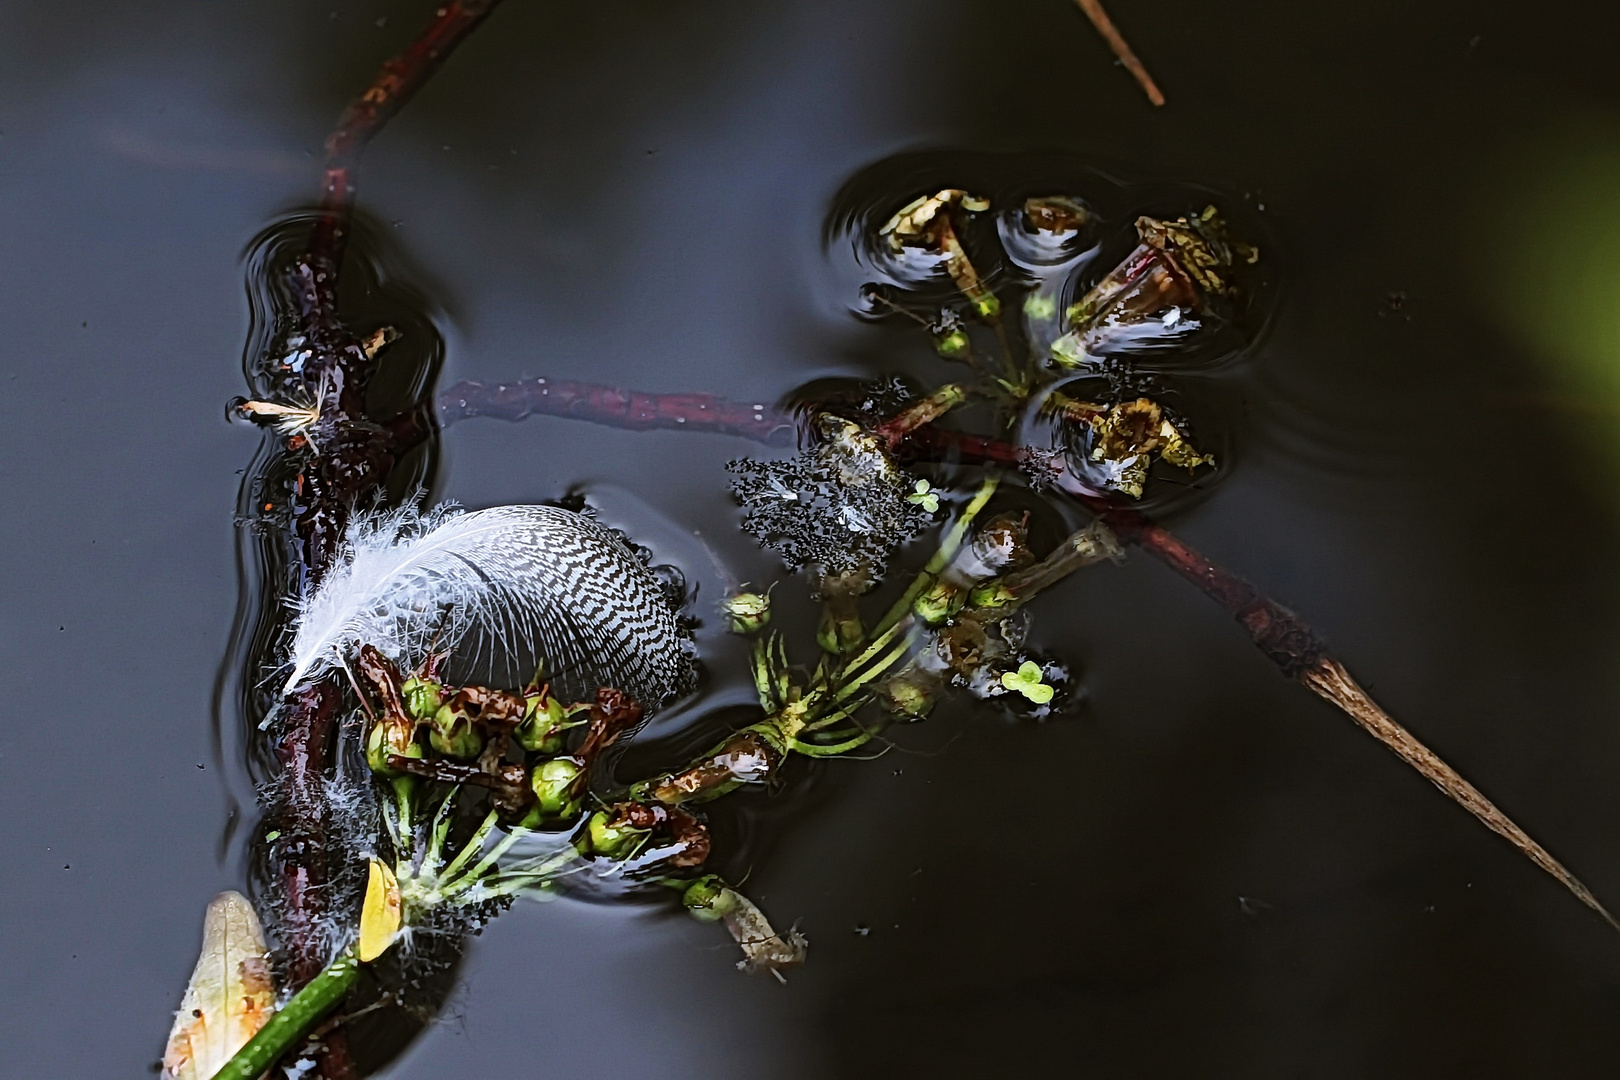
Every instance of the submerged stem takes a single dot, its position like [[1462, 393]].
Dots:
[[1328, 678]]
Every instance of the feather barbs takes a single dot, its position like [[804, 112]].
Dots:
[[537, 579]]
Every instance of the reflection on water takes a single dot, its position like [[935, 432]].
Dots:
[[1203, 873]]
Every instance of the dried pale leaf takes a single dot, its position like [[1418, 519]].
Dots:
[[378, 340], [1129, 429], [1199, 246], [288, 419], [380, 917], [911, 222], [1175, 449], [1056, 214], [763, 948], [231, 994]]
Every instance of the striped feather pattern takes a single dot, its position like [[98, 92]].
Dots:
[[531, 580]]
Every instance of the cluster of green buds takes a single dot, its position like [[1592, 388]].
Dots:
[[950, 338], [425, 728], [998, 547], [975, 642]]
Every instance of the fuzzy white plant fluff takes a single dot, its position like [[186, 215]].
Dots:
[[535, 581]]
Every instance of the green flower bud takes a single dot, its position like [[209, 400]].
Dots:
[[541, 727], [840, 631], [749, 612], [708, 899], [422, 697], [987, 306], [553, 783], [612, 841], [939, 602], [992, 594], [384, 740], [910, 695], [452, 734], [952, 345], [1069, 351]]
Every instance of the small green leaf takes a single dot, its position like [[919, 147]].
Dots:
[[924, 497], [1027, 681]]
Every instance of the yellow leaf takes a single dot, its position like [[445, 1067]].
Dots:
[[231, 994], [380, 915]]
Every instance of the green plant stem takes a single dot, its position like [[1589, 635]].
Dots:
[[947, 551], [517, 880], [763, 684], [878, 668], [441, 828], [473, 847], [817, 750], [471, 877], [877, 646], [832, 718], [405, 837], [295, 1020]]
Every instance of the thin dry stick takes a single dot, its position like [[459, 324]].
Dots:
[[1290, 644], [1116, 41], [1285, 638], [1329, 679]]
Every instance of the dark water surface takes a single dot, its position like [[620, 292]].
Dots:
[[1206, 871]]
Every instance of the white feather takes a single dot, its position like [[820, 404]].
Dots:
[[537, 579]]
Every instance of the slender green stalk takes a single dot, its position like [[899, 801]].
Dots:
[[405, 838], [873, 649], [947, 551], [442, 819], [295, 1020], [832, 718], [878, 668], [764, 685], [474, 846], [817, 750], [472, 877]]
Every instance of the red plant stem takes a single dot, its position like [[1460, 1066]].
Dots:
[[394, 86], [355, 459], [921, 414], [613, 407], [1285, 639]]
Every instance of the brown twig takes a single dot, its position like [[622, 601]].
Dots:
[[1116, 41], [354, 459], [1284, 638], [1329, 679], [1290, 643], [394, 86]]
